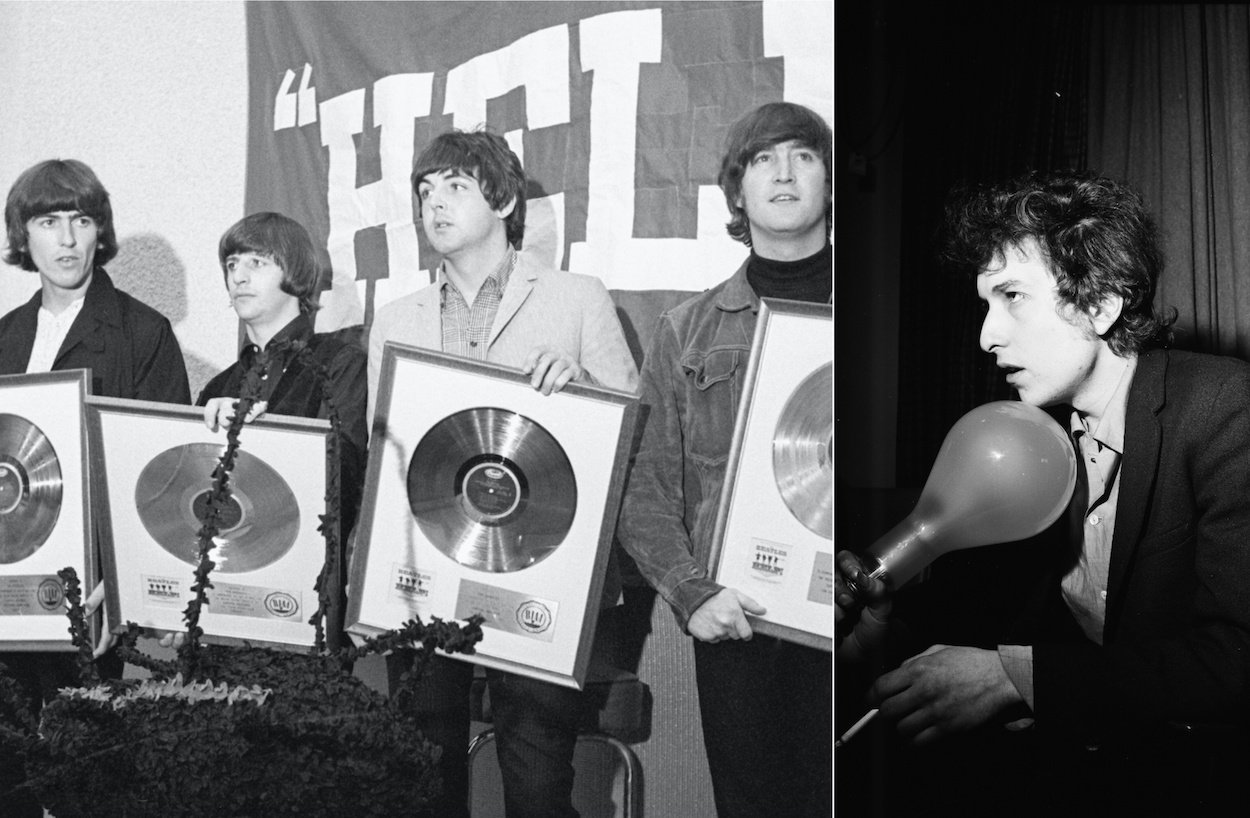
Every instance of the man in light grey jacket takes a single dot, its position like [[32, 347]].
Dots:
[[491, 304]]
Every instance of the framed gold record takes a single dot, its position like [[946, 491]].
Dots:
[[155, 463], [45, 506], [773, 538], [483, 496]]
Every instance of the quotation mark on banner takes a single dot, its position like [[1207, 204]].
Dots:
[[285, 103]]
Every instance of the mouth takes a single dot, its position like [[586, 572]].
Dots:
[[784, 197], [1011, 373]]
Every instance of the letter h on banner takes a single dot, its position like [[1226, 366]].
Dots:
[[398, 101]]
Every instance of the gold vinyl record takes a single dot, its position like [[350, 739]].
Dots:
[[256, 528], [492, 489], [803, 452], [30, 488]]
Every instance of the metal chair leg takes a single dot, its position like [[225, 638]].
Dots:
[[631, 798]]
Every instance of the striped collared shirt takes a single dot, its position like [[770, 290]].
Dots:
[[466, 327], [1092, 521]]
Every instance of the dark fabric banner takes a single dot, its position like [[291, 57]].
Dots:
[[617, 110]]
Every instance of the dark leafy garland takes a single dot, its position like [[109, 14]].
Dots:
[[18, 732], [329, 527], [230, 731], [218, 500], [78, 631]]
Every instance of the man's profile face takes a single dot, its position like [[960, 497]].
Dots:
[[785, 191], [62, 246], [1047, 348], [454, 213]]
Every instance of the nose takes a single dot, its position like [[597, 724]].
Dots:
[[67, 236], [991, 337], [783, 168]]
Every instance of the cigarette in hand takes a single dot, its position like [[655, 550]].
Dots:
[[855, 728]]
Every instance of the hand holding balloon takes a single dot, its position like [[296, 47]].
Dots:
[[860, 618], [850, 583], [1004, 473]]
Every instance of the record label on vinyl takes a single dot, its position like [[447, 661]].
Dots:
[[256, 528], [492, 489], [30, 488], [803, 452]]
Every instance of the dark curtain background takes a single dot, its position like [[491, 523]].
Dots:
[[1170, 114], [994, 89]]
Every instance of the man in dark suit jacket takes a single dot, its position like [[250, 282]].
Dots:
[[60, 225], [1106, 664]]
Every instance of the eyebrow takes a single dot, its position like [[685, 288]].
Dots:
[[73, 214], [996, 287], [1007, 284], [450, 173], [244, 253]]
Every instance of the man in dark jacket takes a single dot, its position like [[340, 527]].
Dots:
[[269, 267], [60, 225], [1103, 667]]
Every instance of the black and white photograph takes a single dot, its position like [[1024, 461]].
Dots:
[[295, 566]]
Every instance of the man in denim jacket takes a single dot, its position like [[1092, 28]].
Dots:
[[765, 703]]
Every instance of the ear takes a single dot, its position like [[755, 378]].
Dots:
[[1106, 312], [506, 211]]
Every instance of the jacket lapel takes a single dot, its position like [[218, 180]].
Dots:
[[18, 342], [520, 283], [99, 307], [1142, 440], [425, 323]]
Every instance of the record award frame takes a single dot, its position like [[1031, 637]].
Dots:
[[443, 525], [773, 534], [47, 411], [154, 463]]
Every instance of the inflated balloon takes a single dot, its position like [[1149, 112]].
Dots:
[[1005, 472]]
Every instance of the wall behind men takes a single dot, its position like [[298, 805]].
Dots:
[[153, 96]]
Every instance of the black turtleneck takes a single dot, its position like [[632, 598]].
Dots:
[[805, 279]]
